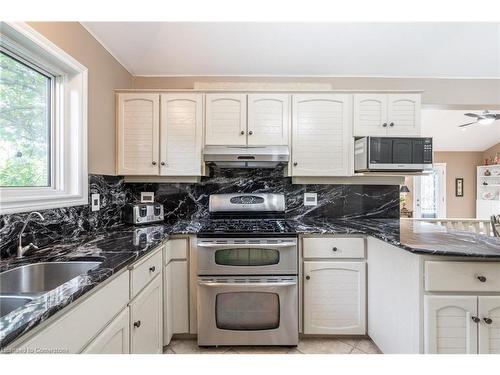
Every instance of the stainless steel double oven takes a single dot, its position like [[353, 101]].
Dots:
[[247, 280]]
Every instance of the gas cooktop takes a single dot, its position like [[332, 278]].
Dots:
[[246, 228]]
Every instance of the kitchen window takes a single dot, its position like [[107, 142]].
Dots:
[[43, 123]]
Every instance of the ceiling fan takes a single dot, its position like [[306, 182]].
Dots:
[[484, 118]]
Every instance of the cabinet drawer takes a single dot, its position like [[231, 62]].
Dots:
[[175, 249], [329, 247], [143, 272], [72, 331], [462, 276]]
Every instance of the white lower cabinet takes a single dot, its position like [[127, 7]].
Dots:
[[114, 339], [176, 299], [462, 324], [146, 320], [449, 324], [489, 325], [334, 297]]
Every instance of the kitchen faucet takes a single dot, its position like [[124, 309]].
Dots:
[[22, 249]]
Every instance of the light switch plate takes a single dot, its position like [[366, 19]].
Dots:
[[147, 197], [96, 202], [310, 199]]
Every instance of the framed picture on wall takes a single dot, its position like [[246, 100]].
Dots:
[[459, 187]]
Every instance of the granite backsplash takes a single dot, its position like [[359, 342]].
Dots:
[[190, 202]]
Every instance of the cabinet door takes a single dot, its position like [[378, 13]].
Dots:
[[138, 134], [335, 298], [449, 327], [180, 296], [370, 114], [226, 119], [268, 119], [321, 126], [489, 327], [146, 320], [168, 325], [181, 134], [114, 339], [403, 114]]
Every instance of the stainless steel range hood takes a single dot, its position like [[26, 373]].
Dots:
[[246, 156]]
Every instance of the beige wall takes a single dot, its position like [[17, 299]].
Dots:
[[462, 93], [491, 152], [104, 75]]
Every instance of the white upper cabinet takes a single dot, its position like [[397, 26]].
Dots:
[[138, 134], [450, 326], [181, 134], [489, 325], [370, 114], [226, 121], [321, 135], [387, 114], [403, 111], [268, 119]]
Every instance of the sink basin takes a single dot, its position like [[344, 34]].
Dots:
[[11, 303], [39, 278]]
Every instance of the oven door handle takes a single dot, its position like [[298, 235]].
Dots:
[[236, 246], [264, 285]]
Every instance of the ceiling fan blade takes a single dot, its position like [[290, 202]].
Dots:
[[470, 123], [473, 115]]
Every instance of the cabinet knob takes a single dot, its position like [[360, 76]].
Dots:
[[384, 125], [481, 278], [295, 164], [137, 324], [334, 249], [250, 132], [163, 163], [308, 277], [152, 269], [475, 319], [153, 162], [242, 132], [488, 320], [391, 124]]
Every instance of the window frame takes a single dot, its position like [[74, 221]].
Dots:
[[68, 133]]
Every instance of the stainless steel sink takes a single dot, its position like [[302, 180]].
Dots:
[[39, 278], [11, 303]]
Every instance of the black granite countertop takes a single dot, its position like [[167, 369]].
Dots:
[[116, 248], [415, 236], [120, 246]]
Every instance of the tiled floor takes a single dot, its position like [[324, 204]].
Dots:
[[306, 346]]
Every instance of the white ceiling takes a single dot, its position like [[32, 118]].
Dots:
[[305, 49], [442, 125]]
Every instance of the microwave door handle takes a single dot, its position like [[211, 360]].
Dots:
[[263, 285], [235, 246]]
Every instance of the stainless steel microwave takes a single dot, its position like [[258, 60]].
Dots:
[[392, 154]]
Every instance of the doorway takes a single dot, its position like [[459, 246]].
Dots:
[[430, 193]]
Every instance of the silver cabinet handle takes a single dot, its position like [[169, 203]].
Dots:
[[242, 132], [252, 285], [488, 320], [475, 319], [137, 324], [153, 162], [245, 246], [481, 278], [163, 163], [391, 124], [250, 132], [384, 125]]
